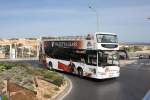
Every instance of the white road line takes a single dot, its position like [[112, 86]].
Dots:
[[142, 63], [135, 63], [147, 96], [70, 83]]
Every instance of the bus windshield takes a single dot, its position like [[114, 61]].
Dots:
[[106, 38], [108, 58]]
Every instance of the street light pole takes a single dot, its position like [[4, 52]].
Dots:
[[97, 17]]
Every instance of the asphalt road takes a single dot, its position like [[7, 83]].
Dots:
[[133, 84]]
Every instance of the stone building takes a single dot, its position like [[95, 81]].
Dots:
[[18, 48]]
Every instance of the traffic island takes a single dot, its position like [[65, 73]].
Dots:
[[21, 82]]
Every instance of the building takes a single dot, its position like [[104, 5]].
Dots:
[[18, 48]]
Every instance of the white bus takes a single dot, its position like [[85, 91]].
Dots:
[[93, 56]]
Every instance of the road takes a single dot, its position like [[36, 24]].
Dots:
[[133, 84]]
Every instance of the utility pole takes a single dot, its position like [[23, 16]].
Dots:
[[97, 16]]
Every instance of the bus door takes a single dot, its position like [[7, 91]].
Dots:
[[82, 63], [91, 64]]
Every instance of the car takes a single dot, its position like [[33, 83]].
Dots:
[[141, 56], [144, 56]]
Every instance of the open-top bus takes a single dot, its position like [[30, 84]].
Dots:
[[93, 56]]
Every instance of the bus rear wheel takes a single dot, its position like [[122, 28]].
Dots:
[[50, 66], [80, 72]]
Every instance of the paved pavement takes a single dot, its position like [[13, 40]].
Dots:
[[147, 96], [141, 64], [133, 84]]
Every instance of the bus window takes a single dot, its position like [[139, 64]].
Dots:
[[108, 58], [92, 60], [82, 60]]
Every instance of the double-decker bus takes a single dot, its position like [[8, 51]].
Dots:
[[93, 56]]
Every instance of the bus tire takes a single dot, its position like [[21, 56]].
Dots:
[[50, 65], [80, 72]]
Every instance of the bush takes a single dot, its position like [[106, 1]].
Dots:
[[6, 66], [137, 48], [56, 89], [47, 96], [58, 81], [2, 68], [48, 75], [4, 97], [54, 78]]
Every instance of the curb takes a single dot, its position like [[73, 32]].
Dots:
[[64, 92]]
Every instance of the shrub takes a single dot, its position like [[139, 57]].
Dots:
[[48, 75], [56, 89], [47, 96], [54, 78], [6, 66], [2, 68], [19, 68], [4, 97], [58, 81]]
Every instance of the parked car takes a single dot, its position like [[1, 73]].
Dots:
[[144, 56]]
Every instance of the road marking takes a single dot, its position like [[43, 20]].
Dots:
[[147, 96], [70, 88], [142, 63], [135, 63]]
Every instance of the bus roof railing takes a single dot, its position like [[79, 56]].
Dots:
[[64, 38]]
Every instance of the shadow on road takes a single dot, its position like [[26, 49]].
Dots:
[[88, 78]]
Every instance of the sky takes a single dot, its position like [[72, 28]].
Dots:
[[35, 18]]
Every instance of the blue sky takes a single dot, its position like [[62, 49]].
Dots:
[[35, 18]]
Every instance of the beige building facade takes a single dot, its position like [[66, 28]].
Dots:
[[18, 48]]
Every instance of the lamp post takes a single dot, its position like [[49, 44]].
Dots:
[[97, 16]]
